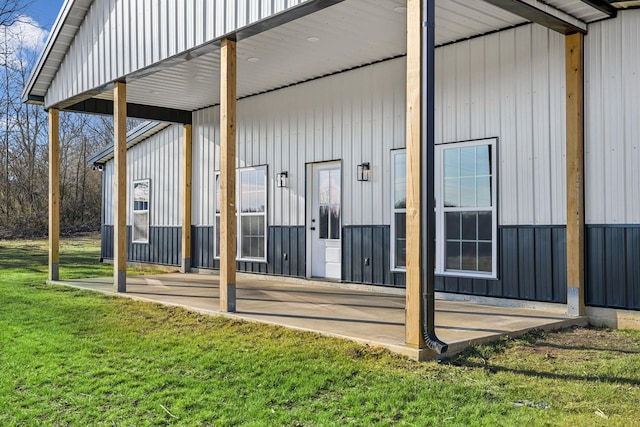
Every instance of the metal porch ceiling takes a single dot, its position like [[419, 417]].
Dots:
[[347, 35], [343, 36]]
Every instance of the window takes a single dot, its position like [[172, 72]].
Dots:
[[329, 203], [466, 209], [251, 213], [466, 223], [399, 214], [141, 211]]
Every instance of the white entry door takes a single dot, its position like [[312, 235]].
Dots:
[[324, 221]]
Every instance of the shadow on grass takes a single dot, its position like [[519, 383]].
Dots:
[[25, 257], [590, 348], [541, 374], [469, 358]]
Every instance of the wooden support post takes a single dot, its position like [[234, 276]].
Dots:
[[574, 62], [120, 190], [54, 194], [228, 176], [413, 321], [186, 198]]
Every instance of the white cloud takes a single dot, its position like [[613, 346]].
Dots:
[[24, 34]]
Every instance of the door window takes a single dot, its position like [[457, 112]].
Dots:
[[329, 204]]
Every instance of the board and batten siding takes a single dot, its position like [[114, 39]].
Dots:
[[110, 43], [612, 156], [508, 85], [158, 159], [206, 160], [354, 117], [612, 120]]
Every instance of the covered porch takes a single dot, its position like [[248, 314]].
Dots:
[[171, 81], [374, 317]]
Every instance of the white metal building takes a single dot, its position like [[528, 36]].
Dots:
[[534, 110]]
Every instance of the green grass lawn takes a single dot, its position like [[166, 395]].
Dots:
[[71, 357]]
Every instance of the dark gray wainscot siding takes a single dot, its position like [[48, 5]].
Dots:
[[164, 246], [366, 257], [532, 263], [285, 252], [613, 266]]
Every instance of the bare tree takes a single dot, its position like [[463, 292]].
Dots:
[[24, 149], [11, 10]]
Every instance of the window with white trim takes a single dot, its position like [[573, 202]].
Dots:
[[251, 214], [141, 211], [399, 213], [466, 209], [466, 219]]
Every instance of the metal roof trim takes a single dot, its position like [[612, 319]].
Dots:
[[135, 136], [51, 43]]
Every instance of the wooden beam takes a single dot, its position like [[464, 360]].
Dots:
[[186, 198], [120, 190], [574, 62], [228, 176], [54, 194], [413, 322], [603, 6], [543, 14], [135, 111]]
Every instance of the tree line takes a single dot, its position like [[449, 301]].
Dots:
[[24, 146]]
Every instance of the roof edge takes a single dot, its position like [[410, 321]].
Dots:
[[135, 136], [63, 15]]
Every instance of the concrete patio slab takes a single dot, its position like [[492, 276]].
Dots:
[[373, 318]]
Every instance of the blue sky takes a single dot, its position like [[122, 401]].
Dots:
[[44, 12]]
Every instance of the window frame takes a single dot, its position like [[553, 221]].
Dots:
[[394, 210], [441, 210], [136, 212], [240, 214]]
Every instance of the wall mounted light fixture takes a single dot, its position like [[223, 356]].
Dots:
[[363, 171], [282, 179]]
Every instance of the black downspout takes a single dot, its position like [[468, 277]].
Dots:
[[427, 199]]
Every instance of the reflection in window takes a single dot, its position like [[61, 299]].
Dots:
[[465, 210], [141, 211], [251, 208], [467, 176], [469, 208], [329, 204], [469, 241], [399, 186]]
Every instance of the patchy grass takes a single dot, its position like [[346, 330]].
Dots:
[[71, 357]]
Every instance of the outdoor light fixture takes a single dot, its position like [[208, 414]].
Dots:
[[97, 167], [363, 172], [281, 179]]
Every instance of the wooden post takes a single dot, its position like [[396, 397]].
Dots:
[[228, 176], [186, 198], [413, 318], [54, 194], [574, 61], [120, 190]]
